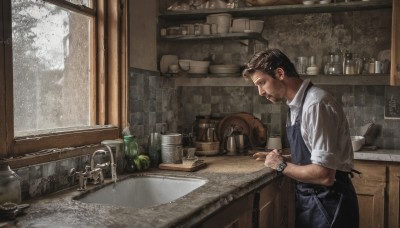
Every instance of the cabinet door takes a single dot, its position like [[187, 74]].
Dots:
[[394, 196], [276, 206], [370, 189], [238, 214]]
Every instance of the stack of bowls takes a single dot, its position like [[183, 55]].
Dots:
[[222, 20], [171, 148]]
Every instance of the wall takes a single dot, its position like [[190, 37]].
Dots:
[[364, 33], [143, 34]]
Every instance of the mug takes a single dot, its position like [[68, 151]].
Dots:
[[274, 142]]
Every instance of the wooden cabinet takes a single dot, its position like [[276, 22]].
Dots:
[[237, 214], [270, 206], [378, 193], [394, 195], [276, 204]]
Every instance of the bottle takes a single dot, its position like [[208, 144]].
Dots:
[[349, 65], [131, 146], [10, 185]]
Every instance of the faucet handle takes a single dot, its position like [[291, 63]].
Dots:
[[103, 165]]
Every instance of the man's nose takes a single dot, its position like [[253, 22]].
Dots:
[[261, 92]]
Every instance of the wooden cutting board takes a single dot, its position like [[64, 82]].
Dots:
[[182, 167]]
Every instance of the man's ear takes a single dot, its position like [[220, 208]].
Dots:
[[280, 73]]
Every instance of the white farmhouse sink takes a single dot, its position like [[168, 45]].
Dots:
[[143, 191]]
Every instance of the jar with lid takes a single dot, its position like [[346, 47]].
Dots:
[[130, 146], [349, 65], [10, 185]]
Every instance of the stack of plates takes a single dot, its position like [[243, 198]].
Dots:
[[198, 67], [225, 69]]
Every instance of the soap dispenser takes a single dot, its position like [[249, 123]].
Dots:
[[10, 185]]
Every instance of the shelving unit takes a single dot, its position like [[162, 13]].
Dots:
[[237, 80], [226, 36], [279, 10]]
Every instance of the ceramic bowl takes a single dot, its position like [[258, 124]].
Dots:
[[357, 142]]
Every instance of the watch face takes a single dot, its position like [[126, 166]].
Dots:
[[281, 167]]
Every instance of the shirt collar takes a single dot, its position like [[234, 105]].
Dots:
[[298, 98]]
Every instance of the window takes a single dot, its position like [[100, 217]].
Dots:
[[57, 87], [51, 67]]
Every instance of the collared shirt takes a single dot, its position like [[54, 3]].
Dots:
[[324, 128]]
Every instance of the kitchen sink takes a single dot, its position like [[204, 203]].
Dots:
[[143, 191]]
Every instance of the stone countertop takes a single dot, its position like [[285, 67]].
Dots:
[[378, 155], [229, 178]]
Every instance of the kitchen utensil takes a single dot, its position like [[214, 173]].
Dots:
[[240, 143], [231, 145], [247, 124], [171, 138], [171, 154]]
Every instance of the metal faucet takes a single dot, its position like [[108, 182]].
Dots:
[[95, 172], [104, 165]]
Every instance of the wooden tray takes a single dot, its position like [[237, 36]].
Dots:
[[182, 167]]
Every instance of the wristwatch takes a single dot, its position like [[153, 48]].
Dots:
[[281, 167]]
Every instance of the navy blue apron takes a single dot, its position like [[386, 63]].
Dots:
[[317, 205]]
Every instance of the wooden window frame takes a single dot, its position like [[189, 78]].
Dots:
[[108, 85]]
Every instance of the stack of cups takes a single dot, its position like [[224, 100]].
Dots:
[[171, 148]]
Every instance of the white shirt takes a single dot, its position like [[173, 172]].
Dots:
[[324, 128]]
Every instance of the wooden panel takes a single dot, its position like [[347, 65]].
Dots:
[[370, 189], [394, 196], [3, 152], [277, 204], [71, 139], [371, 202], [8, 70], [371, 171], [395, 55], [237, 214]]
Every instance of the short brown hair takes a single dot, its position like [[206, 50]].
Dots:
[[267, 62]]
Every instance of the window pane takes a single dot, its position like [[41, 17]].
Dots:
[[51, 67], [87, 3]]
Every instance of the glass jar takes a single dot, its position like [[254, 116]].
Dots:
[[10, 185], [130, 146]]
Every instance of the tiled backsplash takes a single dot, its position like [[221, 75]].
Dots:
[[41, 179], [362, 105]]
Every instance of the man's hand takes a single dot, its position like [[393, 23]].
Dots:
[[260, 156], [273, 159]]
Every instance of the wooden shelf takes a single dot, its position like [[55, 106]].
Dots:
[[237, 80], [225, 36], [280, 10]]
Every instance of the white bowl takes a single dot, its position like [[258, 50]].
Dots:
[[184, 64], [256, 25], [357, 142], [240, 24], [195, 63]]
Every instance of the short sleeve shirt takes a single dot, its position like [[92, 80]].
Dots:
[[324, 128]]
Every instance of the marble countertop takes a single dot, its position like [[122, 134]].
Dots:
[[378, 155], [228, 177]]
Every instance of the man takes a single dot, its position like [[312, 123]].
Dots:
[[320, 144]]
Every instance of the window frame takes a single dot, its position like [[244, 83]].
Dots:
[[108, 84]]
